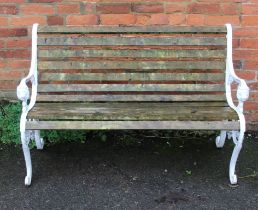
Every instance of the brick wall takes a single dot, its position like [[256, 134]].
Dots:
[[17, 16]]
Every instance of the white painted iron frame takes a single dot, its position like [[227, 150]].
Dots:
[[242, 95], [23, 94]]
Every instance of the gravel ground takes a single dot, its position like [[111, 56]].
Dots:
[[157, 172]]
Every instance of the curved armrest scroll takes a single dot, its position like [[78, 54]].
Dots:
[[22, 91], [242, 89]]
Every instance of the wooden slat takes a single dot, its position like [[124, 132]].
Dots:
[[133, 111], [108, 97], [66, 53], [141, 65], [137, 105], [134, 29], [8, 95], [132, 77], [126, 125], [139, 41], [130, 87]]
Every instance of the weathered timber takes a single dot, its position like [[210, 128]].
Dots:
[[156, 53], [132, 77], [130, 87], [133, 111], [112, 97], [8, 95], [118, 41], [140, 65], [129, 125], [131, 29]]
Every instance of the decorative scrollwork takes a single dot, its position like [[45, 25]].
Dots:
[[23, 92]]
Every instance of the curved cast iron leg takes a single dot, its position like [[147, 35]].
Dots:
[[238, 140], [220, 140], [26, 152]]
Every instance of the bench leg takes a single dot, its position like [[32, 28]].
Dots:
[[26, 152], [220, 140], [39, 141], [238, 141]]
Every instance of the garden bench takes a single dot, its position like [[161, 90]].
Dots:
[[132, 78]]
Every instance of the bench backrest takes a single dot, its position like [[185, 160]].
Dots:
[[131, 63]]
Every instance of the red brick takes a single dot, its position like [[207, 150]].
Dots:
[[113, 8], [254, 86], [248, 106], [2, 43], [245, 32], [172, 8], [148, 8], [11, 75], [250, 20], [68, 8], [142, 19], [249, 9], [18, 64], [251, 65], [223, 1], [18, 43], [55, 20], [221, 20], [204, 8], [11, 32], [230, 9], [235, 43], [254, 96], [177, 19], [88, 1], [30, 9], [12, 1], [117, 19], [82, 20], [27, 20], [158, 19], [247, 75], [2, 64], [44, 1], [238, 64], [252, 117], [14, 53], [245, 54], [3, 21], [195, 19], [249, 43], [4, 85], [90, 8], [8, 10]]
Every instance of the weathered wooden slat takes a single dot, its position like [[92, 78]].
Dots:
[[132, 77], [108, 97], [130, 105], [133, 111], [8, 95], [126, 125], [130, 87], [141, 65], [210, 115], [66, 53], [134, 29], [140, 41]]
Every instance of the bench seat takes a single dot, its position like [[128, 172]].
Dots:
[[194, 111]]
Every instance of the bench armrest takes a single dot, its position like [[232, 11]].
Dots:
[[22, 91], [242, 89]]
